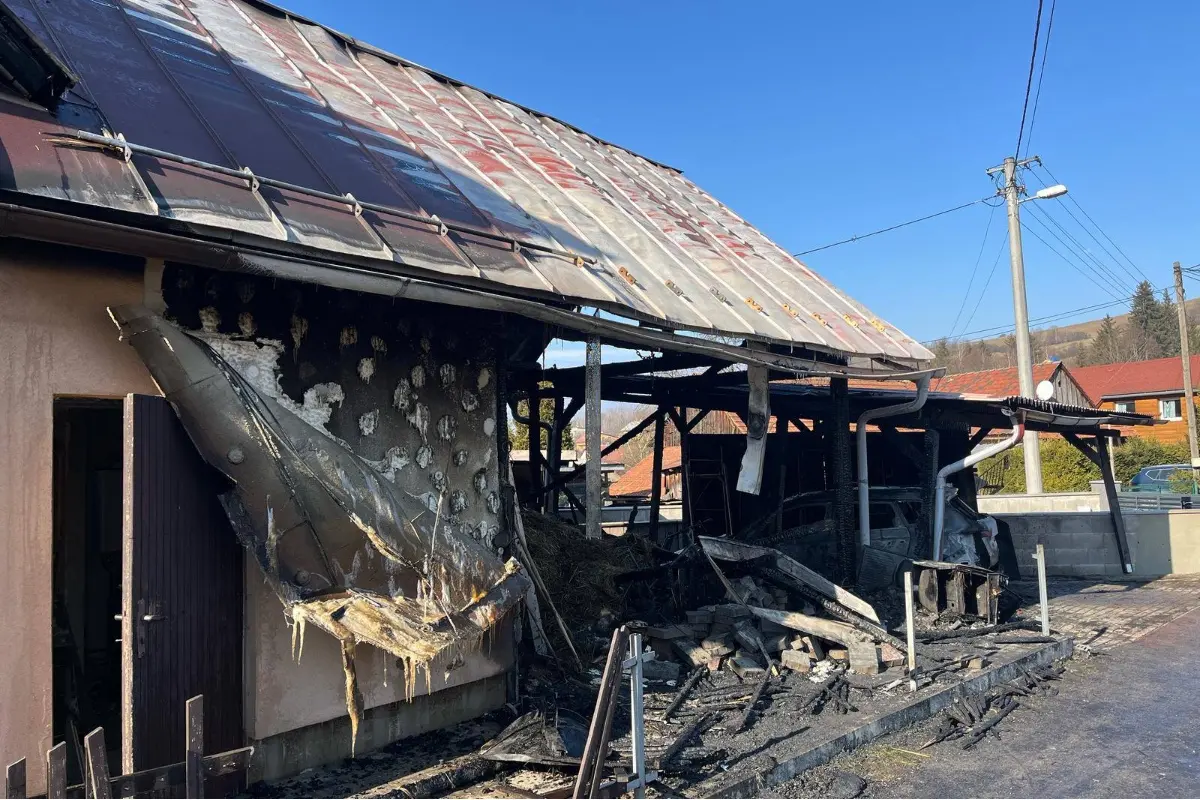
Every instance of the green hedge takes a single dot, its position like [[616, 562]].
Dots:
[[1065, 469]]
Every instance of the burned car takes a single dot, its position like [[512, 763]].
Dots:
[[808, 534]]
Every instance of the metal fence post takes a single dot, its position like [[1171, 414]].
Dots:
[[1043, 597]]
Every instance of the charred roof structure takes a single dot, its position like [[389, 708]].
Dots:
[[339, 270]]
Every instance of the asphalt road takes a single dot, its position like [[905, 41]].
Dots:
[[1126, 724]]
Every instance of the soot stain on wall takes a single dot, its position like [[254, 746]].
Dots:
[[408, 386]]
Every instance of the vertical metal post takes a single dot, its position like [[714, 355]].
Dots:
[[1185, 354], [637, 713], [910, 630], [660, 423], [1012, 193], [1043, 593], [591, 406]]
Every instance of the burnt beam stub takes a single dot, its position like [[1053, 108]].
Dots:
[[839, 443], [660, 420]]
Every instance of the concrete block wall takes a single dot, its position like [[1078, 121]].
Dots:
[[1083, 545]]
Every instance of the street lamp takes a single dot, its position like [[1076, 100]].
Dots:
[[1049, 193], [1012, 191]]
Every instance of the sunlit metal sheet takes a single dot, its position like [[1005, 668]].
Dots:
[[534, 207]]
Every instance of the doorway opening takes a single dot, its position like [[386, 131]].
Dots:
[[87, 514]]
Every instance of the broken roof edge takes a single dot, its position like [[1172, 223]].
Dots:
[[400, 60], [36, 218]]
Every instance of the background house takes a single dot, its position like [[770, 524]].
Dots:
[[1154, 388]]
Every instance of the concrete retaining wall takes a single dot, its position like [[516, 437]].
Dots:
[[1083, 545]]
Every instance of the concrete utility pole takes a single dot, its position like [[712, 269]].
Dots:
[[1185, 353], [1012, 192]]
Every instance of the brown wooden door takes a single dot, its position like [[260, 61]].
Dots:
[[182, 581]]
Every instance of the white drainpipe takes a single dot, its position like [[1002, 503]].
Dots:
[[864, 490], [939, 501]]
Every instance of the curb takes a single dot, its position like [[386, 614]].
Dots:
[[923, 709]]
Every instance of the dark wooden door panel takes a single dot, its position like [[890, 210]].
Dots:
[[181, 593]]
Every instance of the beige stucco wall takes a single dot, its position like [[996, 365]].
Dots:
[[55, 339]]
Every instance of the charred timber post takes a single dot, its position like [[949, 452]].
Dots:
[[554, 451], [841, 478], [656, 479], [536, 472], [591, 394], [929, 471]]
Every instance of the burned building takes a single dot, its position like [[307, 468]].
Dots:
[[269, 297]]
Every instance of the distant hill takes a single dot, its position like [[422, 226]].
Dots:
[[1065, 343]]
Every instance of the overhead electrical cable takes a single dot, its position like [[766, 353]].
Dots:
[[893, 227], [1041, 75], [1075, 202], [987, 229], [1090, 277], [1037, 31]]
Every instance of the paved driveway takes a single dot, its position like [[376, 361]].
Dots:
[[1126, 724]]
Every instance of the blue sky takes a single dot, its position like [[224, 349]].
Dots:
[[818, 121]]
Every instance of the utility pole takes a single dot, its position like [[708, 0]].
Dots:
[[1185, 353], [1012, 193]]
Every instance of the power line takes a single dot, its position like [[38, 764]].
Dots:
[[1075, 202], [1000, 329], [1080, 249], [1041, 75], [1069, 263], [1037, 29], [974, 270], [1100, 270], [986, 284], [893, 227]]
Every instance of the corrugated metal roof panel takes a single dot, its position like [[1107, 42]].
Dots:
[[239, 84]]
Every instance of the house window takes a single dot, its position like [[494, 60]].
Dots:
[[1124, 407], [1170, 409]]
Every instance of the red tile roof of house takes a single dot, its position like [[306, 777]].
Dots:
[[638, 480], [992, 382], [1135, 378]]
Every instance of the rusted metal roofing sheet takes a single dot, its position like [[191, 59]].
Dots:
[[292, 136]]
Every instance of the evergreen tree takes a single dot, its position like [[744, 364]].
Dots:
[[1145, 324], [943, 353], [1109, 346], [1166, 329]]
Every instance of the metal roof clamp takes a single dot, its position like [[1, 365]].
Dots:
[[126, 151], [252, 179], [750, 301], [674, 287], [442, 230], [354, 204], [628, 276], [717, 294], [579, 261]]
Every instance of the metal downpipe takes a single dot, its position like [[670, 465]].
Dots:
[[860, 433], [939, 500]]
